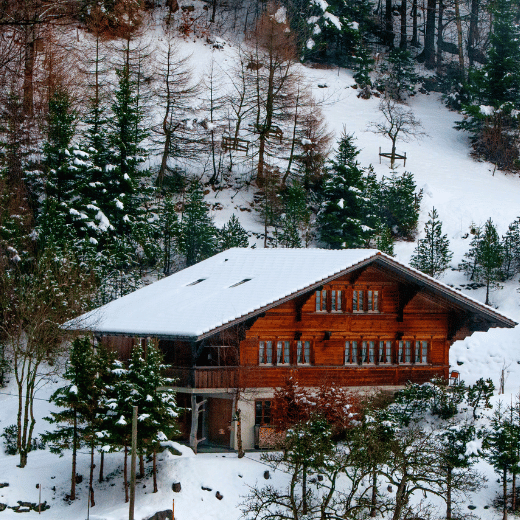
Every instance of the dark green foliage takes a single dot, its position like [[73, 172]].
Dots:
[[483, 262], [197, 239], [384, 240], [169, 229], [398, 75], [345, 219], [295, 219], [364, 65], [511, 250], [432, 254], [232, 235], [479, 395], [400, 204]]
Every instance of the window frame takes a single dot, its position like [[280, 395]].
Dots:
[[265, 405]]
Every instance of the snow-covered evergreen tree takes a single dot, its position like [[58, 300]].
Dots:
[[483, 262], [384, 241], [233, 235], [432, 254], [295, 219], [197, 240], [78, 401], [344, 220], [400, 204], [511, 249], [398, 76]]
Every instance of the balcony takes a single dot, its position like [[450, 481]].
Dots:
[[204, 377]]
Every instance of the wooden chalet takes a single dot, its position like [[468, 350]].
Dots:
[[235, 326]]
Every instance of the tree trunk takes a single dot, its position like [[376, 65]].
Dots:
[[459, 38], [448, 495], [373, 510], [125, 474], [74, 455], [429, 37], [389, 24], [304, 490], [513, 493], [101, 466], [91, 478], [402, 9], [28, 80], [392, 156], [240, 447], [155, 489], [440, 36], [473, 29], [141, 465], [415, 39], [504, 490]]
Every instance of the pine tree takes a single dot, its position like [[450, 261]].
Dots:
[[232, 235], [511, 249], [432, 254], [197, 240], [169, 234], [384, 240], [399, 76], [400, 204], [55, 226], [78, 401], [501, 444], [295, 219], [485, 258], [342, 220]]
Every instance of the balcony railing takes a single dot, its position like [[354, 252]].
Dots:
[[204, 377]]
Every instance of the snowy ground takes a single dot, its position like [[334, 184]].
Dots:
[[462, 190]]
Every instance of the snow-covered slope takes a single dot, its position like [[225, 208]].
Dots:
[[462, 190]]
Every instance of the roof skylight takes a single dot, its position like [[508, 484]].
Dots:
[[240, 283], [196, 282]]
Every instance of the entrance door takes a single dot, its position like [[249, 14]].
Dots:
[[219, 421]]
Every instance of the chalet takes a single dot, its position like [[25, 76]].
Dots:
[[235, 326]]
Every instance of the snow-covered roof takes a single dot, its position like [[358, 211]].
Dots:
[[235, 285]]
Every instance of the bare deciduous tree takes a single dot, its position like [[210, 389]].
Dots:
[[399, 123]]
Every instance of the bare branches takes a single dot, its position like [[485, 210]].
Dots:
[[398, 123]]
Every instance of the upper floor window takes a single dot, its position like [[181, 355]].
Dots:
[[365, 300], [335, 300], [357, 301]]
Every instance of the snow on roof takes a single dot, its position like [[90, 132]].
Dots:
[[214, 292], [227, 287]]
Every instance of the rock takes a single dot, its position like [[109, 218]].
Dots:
[[472, 507], [26, 504], [4, 484], [322, 85], [389, 489], [320, 478], [176, 487], [3, 507], [206, 488], [79, 479], [218, 495], [167, 514], [266, 475]]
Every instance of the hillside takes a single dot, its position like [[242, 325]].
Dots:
[[463, 190]]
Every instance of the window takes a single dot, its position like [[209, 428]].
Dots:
[[240, 283], [364, 352], [373, 301], [332, 301], [371, 352], [405, 352], [265, 352], [283, 353], [196, 282], [262, 412], [324, 301], [303, 352], [357, 301], [385, 352], [339, 301], [351, 353], [421, 352], [318, 299]]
